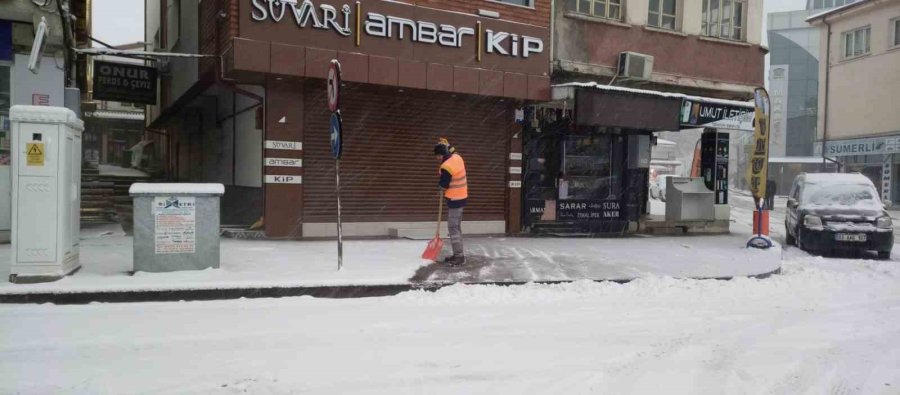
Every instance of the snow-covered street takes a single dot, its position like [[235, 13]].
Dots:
[[823, 326]]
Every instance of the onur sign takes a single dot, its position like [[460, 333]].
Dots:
[[124, 82], [307, 14]]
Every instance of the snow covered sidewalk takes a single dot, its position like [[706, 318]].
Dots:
[[394, 265]]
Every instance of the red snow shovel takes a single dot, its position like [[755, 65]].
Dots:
[[436, 244]]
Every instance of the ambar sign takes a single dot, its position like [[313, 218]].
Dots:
[[124, 82]]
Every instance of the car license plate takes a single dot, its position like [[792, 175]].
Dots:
[[855, 237]]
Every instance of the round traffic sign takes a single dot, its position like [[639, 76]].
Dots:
[[334, 85], [337, 131]]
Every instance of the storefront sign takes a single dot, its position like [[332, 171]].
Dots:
[[866, 146], [759, 160], [715, 115], [588, 210], [175, 224], [778, 87], [284, 162], [124, 82], [274, 179], [350, 21], [285, 145]]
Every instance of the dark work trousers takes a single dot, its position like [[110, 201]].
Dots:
[[454, 226]]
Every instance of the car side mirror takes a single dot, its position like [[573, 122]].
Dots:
[[792, 203]]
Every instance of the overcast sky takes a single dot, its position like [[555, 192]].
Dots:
[[118, 22]]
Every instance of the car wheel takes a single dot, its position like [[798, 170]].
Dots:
[[884, 255]]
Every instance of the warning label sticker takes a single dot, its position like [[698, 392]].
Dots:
[[34, 154], [176, 223]]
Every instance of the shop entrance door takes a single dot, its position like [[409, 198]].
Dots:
[[540, 175]]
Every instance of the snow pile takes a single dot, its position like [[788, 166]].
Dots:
[[176, 188]]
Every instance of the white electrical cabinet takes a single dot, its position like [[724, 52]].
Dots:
[[46, 201]]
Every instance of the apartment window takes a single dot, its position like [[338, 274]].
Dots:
[[895, 32], [662, 14], [609, 9], [523, 3], [724, 19], [856, 42]]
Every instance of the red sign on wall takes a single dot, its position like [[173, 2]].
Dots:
[[40, 99]]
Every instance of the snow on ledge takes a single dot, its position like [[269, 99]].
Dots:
[[141, 188], [604, 87]]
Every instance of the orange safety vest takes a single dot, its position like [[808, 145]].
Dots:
[[458, 189]]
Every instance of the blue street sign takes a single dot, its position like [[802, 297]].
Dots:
[[336, 135]]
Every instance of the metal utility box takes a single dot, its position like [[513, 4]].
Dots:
[[176, 226], [46, 199], [689, 199]]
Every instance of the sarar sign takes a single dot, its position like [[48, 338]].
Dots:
[[124, 82]]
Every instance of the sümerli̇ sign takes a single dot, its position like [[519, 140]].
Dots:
[[328, 17], [124, 82]]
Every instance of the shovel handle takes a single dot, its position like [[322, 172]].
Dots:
[[437, 232]]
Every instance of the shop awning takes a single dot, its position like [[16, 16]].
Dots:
[[615, 106]]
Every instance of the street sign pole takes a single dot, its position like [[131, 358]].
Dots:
[[333, 86], [340, 233]]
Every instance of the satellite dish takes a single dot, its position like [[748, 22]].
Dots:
[[37, 49]]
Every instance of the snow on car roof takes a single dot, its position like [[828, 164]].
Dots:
[[836, 178]]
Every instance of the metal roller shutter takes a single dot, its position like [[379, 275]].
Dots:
[[388, 171]]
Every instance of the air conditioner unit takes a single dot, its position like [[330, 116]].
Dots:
[[635, 65]]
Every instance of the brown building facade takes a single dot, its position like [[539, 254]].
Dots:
[[257, 120]]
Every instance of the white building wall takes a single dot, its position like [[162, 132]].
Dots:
[[862, 92], [50, 81]]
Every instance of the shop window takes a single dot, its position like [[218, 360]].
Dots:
[[895, 32], [662, 14], [523, 3], [724, 19], [607, 9], [856, 42], [588, 168]]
